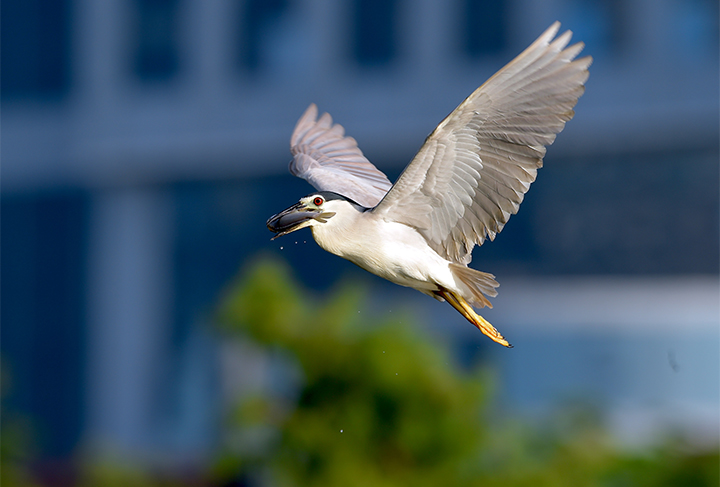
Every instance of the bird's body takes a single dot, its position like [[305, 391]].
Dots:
[[461, 188], [391, 250]]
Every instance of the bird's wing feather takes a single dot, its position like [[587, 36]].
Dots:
[[330, 161], [474, 169]]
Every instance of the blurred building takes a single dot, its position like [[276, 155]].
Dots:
[[145, 142]]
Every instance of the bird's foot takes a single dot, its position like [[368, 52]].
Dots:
[[459, 303]]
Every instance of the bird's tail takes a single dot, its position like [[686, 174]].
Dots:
[[480, 284]]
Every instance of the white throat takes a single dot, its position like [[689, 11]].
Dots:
[[340, 233]]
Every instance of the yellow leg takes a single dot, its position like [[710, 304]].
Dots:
[[459, 303]]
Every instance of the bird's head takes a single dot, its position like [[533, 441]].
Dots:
[[312, 210]]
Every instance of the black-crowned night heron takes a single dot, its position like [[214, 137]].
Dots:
[[469, 176]]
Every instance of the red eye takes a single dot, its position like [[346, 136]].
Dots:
[[318, 201]]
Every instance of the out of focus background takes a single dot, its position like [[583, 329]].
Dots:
[[152, 334]]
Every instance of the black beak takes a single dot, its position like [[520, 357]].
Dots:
[[294, 218]]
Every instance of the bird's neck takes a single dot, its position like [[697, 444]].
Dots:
[[340, 233]]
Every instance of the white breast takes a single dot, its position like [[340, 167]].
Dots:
[[390, 250]]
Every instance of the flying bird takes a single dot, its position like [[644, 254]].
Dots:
[[461, 187]]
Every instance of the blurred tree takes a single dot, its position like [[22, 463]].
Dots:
[[376, 402], [381, 403]]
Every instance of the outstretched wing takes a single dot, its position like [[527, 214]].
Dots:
[[473, 171], [332, 162]]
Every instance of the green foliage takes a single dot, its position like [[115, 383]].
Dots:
[[15, 451], [381, 403], [118, 474], [378, 402], [16, 445]]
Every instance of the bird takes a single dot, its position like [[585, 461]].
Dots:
[[469, 176]]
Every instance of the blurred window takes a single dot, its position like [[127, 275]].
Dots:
[[258, 18], [156, 39], [601, 24], [35, 48], [374, 23], [43, 262], [696, 29], [484, 27]]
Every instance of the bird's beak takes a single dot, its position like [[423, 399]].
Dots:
[[294, 218]]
